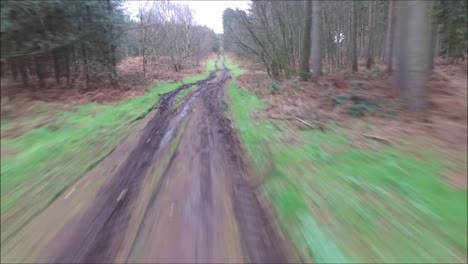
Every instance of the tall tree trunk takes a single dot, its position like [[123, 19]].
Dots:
[[75, 66], [306, 48], [67, 65], [30, 68], [56, 58], [23, 72], [39, 70], [437, 42], [414, 58], [389, 37], [396, 44], [361, 33], [2, 69], [84, 58], [143, 32], [358, 36], [111, 60], [14, 70], [370, 39], [448, 52], [433, 5], [354, 55], [316, 51], [382, 44]]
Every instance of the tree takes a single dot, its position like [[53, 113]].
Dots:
[[267, 32], [168, 29], [276, 34], [413, 56], [389, 36], [150, 32], [177, 26], [39, 34], [370, 39], [316, 53], [305, 69], [354, 51], [452, 17], [433, 6]]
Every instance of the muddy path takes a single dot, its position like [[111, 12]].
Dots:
[[181, 195]]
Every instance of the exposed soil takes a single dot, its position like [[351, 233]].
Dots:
[[181, 195]]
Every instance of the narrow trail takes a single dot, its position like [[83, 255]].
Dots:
[[181, 195]]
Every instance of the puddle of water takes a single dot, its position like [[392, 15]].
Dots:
[[177, 119]]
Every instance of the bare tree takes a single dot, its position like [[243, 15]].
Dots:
[[202, 41], [151, 31], [268, 32], [167, 29], [179, 20]]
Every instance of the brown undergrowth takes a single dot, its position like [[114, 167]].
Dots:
[[18, 101], [363, 107]]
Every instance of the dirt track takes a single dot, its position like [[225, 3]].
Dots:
[[181, 195]]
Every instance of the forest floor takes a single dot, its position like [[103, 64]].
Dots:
[[351, 177], [336, 168]]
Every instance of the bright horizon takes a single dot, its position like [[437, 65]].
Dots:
[[207, 13]]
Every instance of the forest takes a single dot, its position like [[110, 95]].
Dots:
[[405, 35], [81, 42], [306, 131]]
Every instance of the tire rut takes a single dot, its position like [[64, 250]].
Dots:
[[262, 243], [97, 235]]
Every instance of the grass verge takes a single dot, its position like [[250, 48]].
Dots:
[[48, 159], [341, 204]]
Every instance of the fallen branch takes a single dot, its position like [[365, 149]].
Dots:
[[319, 125], [280, 118], [304, 122], [381, 139]]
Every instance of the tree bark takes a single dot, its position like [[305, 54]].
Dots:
[[414, 57], [23, 72], [433, 5], [14, 70], [316, 52], [84, 58], [111, 59], [396, 43], [354, 55], [39, 70], [306, 48], [437, 42], [389, 37], [67, 66], [370, 39], [56, 58]]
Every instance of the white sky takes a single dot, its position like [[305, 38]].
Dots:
[[207, 13]]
